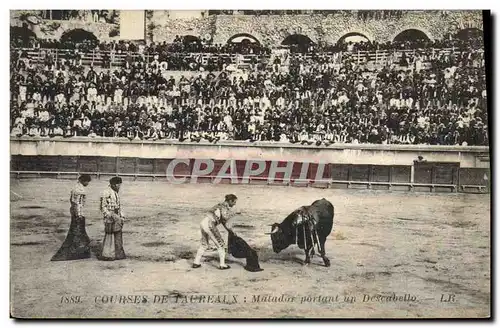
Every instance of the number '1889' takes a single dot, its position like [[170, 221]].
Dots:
[[71, 299]]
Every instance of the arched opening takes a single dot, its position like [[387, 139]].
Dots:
[[21, 36], [243, 38], [190, 39], [353, 37], [297, 42], [469, 34], [79, 36], [244, 43], [411, 35], [297, 39], [187, 43]]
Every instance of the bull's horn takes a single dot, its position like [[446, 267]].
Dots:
[[267, 233], [275, 230]]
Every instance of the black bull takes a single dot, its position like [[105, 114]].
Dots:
[[307, 227]]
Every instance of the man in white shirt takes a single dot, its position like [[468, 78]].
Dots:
[[58, 131], [61, 98], [34, 131], [92, 93], [22, 92], [118, 95], [228, 121], [360, 87], [284, 137], [28, 112], [20, 120], [86, 123], [158, 127], [44, 116], [396, 102], [303, 136], [77, 126], [343, 99], [17, 130], [176, 94]]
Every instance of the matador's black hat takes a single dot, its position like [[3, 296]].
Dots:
[[115, 180], [84, 177]]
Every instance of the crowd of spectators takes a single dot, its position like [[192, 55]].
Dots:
[[201, 45], [432, 97], [181, 45], [180, 55], [267, 12], [165, 60], [186, 55], [362, 14], [188, 44], [412, 44]]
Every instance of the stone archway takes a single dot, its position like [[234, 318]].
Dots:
[[79, 35], [242, 38], [21, 35], [297, 39], [190, 39], [347, 36], [297, 42], [411, 34]]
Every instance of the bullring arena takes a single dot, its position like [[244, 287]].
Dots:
[[424, 245], [407, 171]]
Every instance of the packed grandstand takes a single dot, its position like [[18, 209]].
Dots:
[[418, 92]]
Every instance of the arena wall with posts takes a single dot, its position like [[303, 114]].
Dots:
[[385, 167]]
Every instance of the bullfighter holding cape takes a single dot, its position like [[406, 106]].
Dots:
[[76, 245], [219, 214], [112, 245]]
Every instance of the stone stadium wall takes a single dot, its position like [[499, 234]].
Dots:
[[271, 30]]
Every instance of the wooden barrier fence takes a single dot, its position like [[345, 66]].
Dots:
[[425, 177]]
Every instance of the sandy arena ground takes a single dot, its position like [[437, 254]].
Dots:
[[424, 246]]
